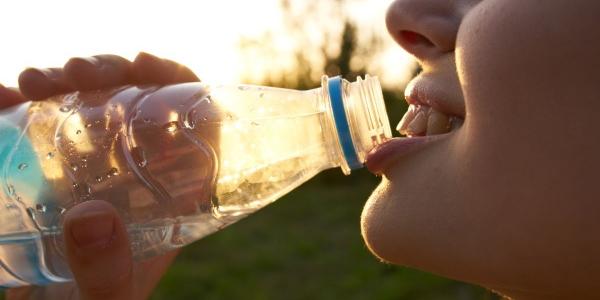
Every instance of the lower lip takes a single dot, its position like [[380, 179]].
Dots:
[[382, 156]]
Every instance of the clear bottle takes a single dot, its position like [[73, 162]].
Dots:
[[178, 162]]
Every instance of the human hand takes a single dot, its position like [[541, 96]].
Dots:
[[96, 242]]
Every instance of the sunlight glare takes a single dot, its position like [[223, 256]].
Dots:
[[204, 35]]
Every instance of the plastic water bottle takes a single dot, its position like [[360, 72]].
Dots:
[[178, 162]]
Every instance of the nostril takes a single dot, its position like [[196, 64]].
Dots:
[[411, 38]]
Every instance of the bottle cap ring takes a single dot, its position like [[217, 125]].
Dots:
[[341, 123]]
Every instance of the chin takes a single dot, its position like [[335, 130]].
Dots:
[[377, 231]]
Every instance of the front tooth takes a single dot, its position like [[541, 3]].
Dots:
[[418, 125], [437, 123], [406, 119]]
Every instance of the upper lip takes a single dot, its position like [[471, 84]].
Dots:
[[437, 92]]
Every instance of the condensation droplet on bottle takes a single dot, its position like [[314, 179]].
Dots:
[[243, 87], [189, 123], [113, 172], [65, 108], [171, 127], [214, 200], [98, 178], [31, 213], [11, 189], [41, 208], [253, 123], [147, 120], [50, 155], [74, 167], [209, 99], [82, 190], [22, 166], [142, 163], [61, 210], [88, 125], [261, 95], [78, 131], [139, 156]]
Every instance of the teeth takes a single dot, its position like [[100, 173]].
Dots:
[[424, 120], [408, 117], [437, 123], [418, 125]]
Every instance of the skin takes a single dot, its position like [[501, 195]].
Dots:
[[510, 200], [97, 245]]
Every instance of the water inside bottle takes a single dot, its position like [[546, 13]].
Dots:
[[173, 162]]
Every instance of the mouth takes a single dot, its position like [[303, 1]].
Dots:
[[436, 110]]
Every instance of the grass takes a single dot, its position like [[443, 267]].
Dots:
[[305, 245]]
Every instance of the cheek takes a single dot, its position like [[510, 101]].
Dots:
[[527, 70]]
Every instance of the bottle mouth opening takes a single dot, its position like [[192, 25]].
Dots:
[[377, 123], [359, 116]]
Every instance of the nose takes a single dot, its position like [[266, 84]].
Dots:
[[425, 28]]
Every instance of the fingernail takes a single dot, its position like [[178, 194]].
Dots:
[[146, 54], [92, 229], [84, 62], [36, 84], [36, 75]]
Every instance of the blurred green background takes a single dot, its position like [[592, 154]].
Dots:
[[305, 245]]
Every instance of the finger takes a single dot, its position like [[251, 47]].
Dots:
[[10, 96], [148, 68], [98, 251], [97, 72], [39, 84]]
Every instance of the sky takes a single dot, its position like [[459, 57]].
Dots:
[[201, 34]]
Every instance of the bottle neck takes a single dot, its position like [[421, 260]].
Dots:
[[356, 119]]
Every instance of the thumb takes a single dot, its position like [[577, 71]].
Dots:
[[98, 251]]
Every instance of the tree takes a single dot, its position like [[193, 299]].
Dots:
[[326, 41]]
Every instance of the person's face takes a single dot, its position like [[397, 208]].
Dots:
[[510, 199]]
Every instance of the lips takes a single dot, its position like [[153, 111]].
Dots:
[[436, 110], [383, 156]]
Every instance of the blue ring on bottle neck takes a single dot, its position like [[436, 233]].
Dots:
[[341, 123]]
